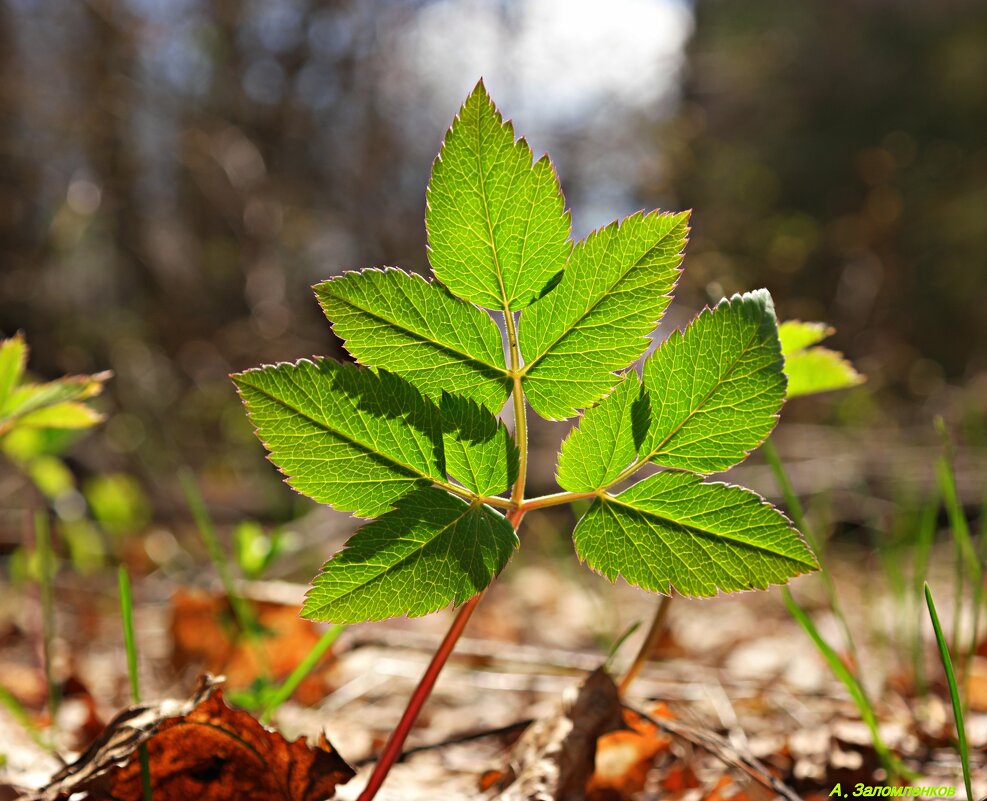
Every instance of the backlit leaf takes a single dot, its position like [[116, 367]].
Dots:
[[615, 288], [795, 335], [498, 231], [819, 370], [431, 550], [69, 415], [406, 325], [345, 435], [672, 531], [480, 452], [715, 387], [811, 370], [607, 439]]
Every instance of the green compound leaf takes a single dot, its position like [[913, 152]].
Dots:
[[432, 549], [406, 325], [615, 289], [716, 387], [497, 226], [344, 435], [672, 531], [810, 369], [607, 439], [480, 452]]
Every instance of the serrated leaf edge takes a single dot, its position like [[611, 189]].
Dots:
[[680, 332]]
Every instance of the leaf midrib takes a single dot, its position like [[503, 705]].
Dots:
[[341, 435], [414, 553], [709, 535], [572, 327], [488, 216], [468, 357], [699, 406]]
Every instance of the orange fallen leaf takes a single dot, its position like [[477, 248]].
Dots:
[[202, 634], [209, 752], [624, 759]]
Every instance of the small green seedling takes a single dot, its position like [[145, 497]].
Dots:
[[37, 422], [410, 436], [56, 404]]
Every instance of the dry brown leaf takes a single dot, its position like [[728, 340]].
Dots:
[[624, 758], [200, 749], [555, 758], [199, 637]]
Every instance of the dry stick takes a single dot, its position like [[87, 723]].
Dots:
[[392, 749], [648, 646], [457, 739], [722, 750]]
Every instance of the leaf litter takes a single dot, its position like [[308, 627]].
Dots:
[[711, 678]]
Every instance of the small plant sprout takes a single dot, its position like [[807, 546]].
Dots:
[[409, 437], [58, 404]]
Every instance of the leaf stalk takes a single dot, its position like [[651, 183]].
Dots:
[[395, 743]]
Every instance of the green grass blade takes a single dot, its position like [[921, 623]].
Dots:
[[920, 567], [968, 565], [287, 689], [954, 693], [244, 615], [890, 762], [797, 513], [17, 711], [130, 644], [129, 640], [42, 539]]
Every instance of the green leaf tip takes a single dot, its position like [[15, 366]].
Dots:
[[674, 531], [716, 386], [617, 284], [498, 230], [812, 369], [431, 550]]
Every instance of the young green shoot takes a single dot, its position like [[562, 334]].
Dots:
[[301, 671], [242, 611], [130, 646], [409, 437], [954, 693]]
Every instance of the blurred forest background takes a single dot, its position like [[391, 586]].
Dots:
[[175, 175]]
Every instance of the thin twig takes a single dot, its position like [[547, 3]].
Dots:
[[722, 750]]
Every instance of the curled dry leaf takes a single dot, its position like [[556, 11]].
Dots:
[[624, 758], [199, 749], [555, 758]]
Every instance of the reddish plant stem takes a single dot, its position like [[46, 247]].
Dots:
[[395, 743]]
